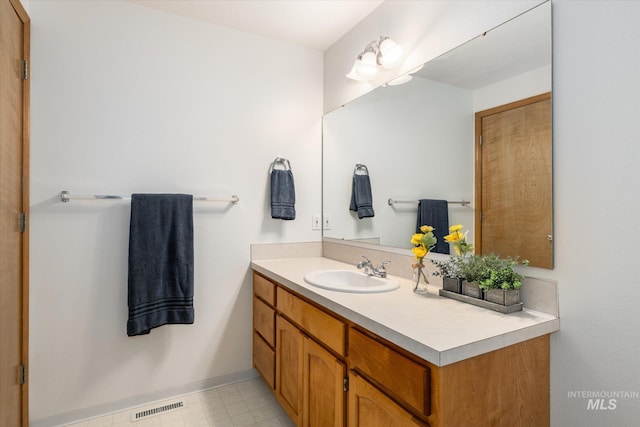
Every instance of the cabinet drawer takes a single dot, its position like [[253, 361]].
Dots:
[[264, 289], [326, 328], [264, 359], [405, 379], [264, 319], [369, 407]]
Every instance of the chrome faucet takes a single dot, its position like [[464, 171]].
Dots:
[[370, 270]]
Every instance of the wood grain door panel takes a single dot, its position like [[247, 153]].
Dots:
[[14, 48], [514, 181], [324, 394]]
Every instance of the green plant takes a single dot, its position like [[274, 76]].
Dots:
[[473, 269], [448, 268], [499, 273], [453, 266]]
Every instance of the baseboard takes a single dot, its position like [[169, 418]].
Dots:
[[136, 401]]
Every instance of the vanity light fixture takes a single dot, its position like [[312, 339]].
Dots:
[[400, 80], [383, 53], [404, 78]]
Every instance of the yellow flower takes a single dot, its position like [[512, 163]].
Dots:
[[459, 240], [419, 251], [426, 229], [453, 237], [416, 238]]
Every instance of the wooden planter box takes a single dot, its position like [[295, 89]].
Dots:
[[452, 284], [506, 309], [500, 296], [471, 289]]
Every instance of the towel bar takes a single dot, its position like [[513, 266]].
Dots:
[[65, 197], [451, 202], [280, 160], [361, 166]]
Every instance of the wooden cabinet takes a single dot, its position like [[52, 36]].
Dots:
[[406, 380], [327, 329], [309, 379], [313, 350], [369, 407], [323, 384], [298, 349], [289, 374], [264, 319]]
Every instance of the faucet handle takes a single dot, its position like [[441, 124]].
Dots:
[[381, 271], [382, 264]]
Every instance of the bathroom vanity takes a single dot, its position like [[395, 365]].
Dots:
[[395, 358]]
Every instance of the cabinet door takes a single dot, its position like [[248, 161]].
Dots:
[[323, 400], [368, 407], [289, 365], [264, 359]]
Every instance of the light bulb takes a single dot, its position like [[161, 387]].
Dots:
[[368, 67], [390, 53], [353, 74]]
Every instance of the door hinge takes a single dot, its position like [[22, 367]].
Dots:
[[480, 215], [22, 222], [23, 374], [25, 69], [345, 384], [481, 140]]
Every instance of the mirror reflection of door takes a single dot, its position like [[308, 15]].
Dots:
[[513, 181]]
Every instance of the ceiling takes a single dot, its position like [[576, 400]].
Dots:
[[315, 24]]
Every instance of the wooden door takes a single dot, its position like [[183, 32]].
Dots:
[[369, 407], [289, 368], [514, 181], [323, 379], [14, 96]]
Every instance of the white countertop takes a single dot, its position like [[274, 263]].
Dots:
[[437, 329]]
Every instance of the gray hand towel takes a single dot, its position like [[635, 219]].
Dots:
[[283, 194], [160, 261], [436, 214], [361, 198]]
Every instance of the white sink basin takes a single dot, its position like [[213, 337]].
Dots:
[[350, 281]]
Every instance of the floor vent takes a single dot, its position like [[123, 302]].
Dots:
[[163, 409]]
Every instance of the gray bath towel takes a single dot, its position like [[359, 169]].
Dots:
[[283, 194], [160, 261], [361, 198], [436, 214]]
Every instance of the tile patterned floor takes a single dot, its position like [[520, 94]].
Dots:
[[247, 403]]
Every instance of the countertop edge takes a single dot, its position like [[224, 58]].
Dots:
[[434, 356]]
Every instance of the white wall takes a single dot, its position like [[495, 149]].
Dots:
[[596, 88], [596, 157], [128, 99], [525, 85]]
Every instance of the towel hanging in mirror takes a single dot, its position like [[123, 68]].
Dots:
[[361, 198]]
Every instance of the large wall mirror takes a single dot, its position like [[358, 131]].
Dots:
[[418, 139]]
